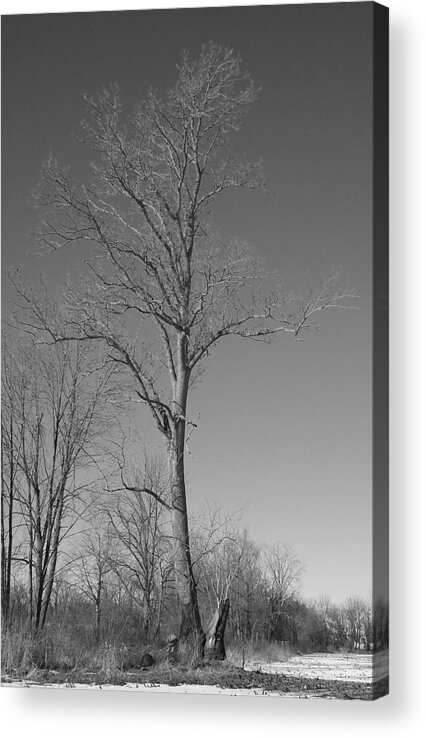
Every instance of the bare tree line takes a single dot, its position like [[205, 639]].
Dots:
[[51, 420], [76, 546]]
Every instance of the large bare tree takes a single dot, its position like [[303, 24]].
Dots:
[[162, 289]]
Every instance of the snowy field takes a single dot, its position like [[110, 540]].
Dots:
[[346, 667]]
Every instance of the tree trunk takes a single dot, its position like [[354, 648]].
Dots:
[[51, 558], [190, 629], [97, 620], [98, 597], [39, 574], [7, 492], [215, 634]]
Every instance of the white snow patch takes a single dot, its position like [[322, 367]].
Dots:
[[180, 689], [343, 667]]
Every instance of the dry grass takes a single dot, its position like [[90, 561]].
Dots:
[[17, 652], [240, 653], [23, 650], [57, 658], [63, 650]]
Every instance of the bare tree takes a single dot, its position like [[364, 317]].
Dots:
[[163, 290], [92, 566], [294, 618], [11, 479], [142, 556], [57, 417], [339, 626], [321, 626], [358, 615], [283, 570], [247, 589]]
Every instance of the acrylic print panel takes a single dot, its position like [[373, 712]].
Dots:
[[194, 380]]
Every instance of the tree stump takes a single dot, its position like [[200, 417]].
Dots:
[[172, 649], [215, 635], [146, 660]]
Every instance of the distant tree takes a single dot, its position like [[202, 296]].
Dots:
[[248, 591], [357, 611], [11, 476], [142, 556], [282, 570], [339, 627], [321, 628], [56, 418], [294, 620], [163, 290], [92, 566], [62, 591]]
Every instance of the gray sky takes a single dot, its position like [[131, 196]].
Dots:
[[284, 431]]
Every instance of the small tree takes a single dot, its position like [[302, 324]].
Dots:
[[92, 567], [142, 556], [163, 290]]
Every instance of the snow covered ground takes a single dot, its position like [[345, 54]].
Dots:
[[346, 667]]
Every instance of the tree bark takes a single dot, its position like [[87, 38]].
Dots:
[[190, 628]]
